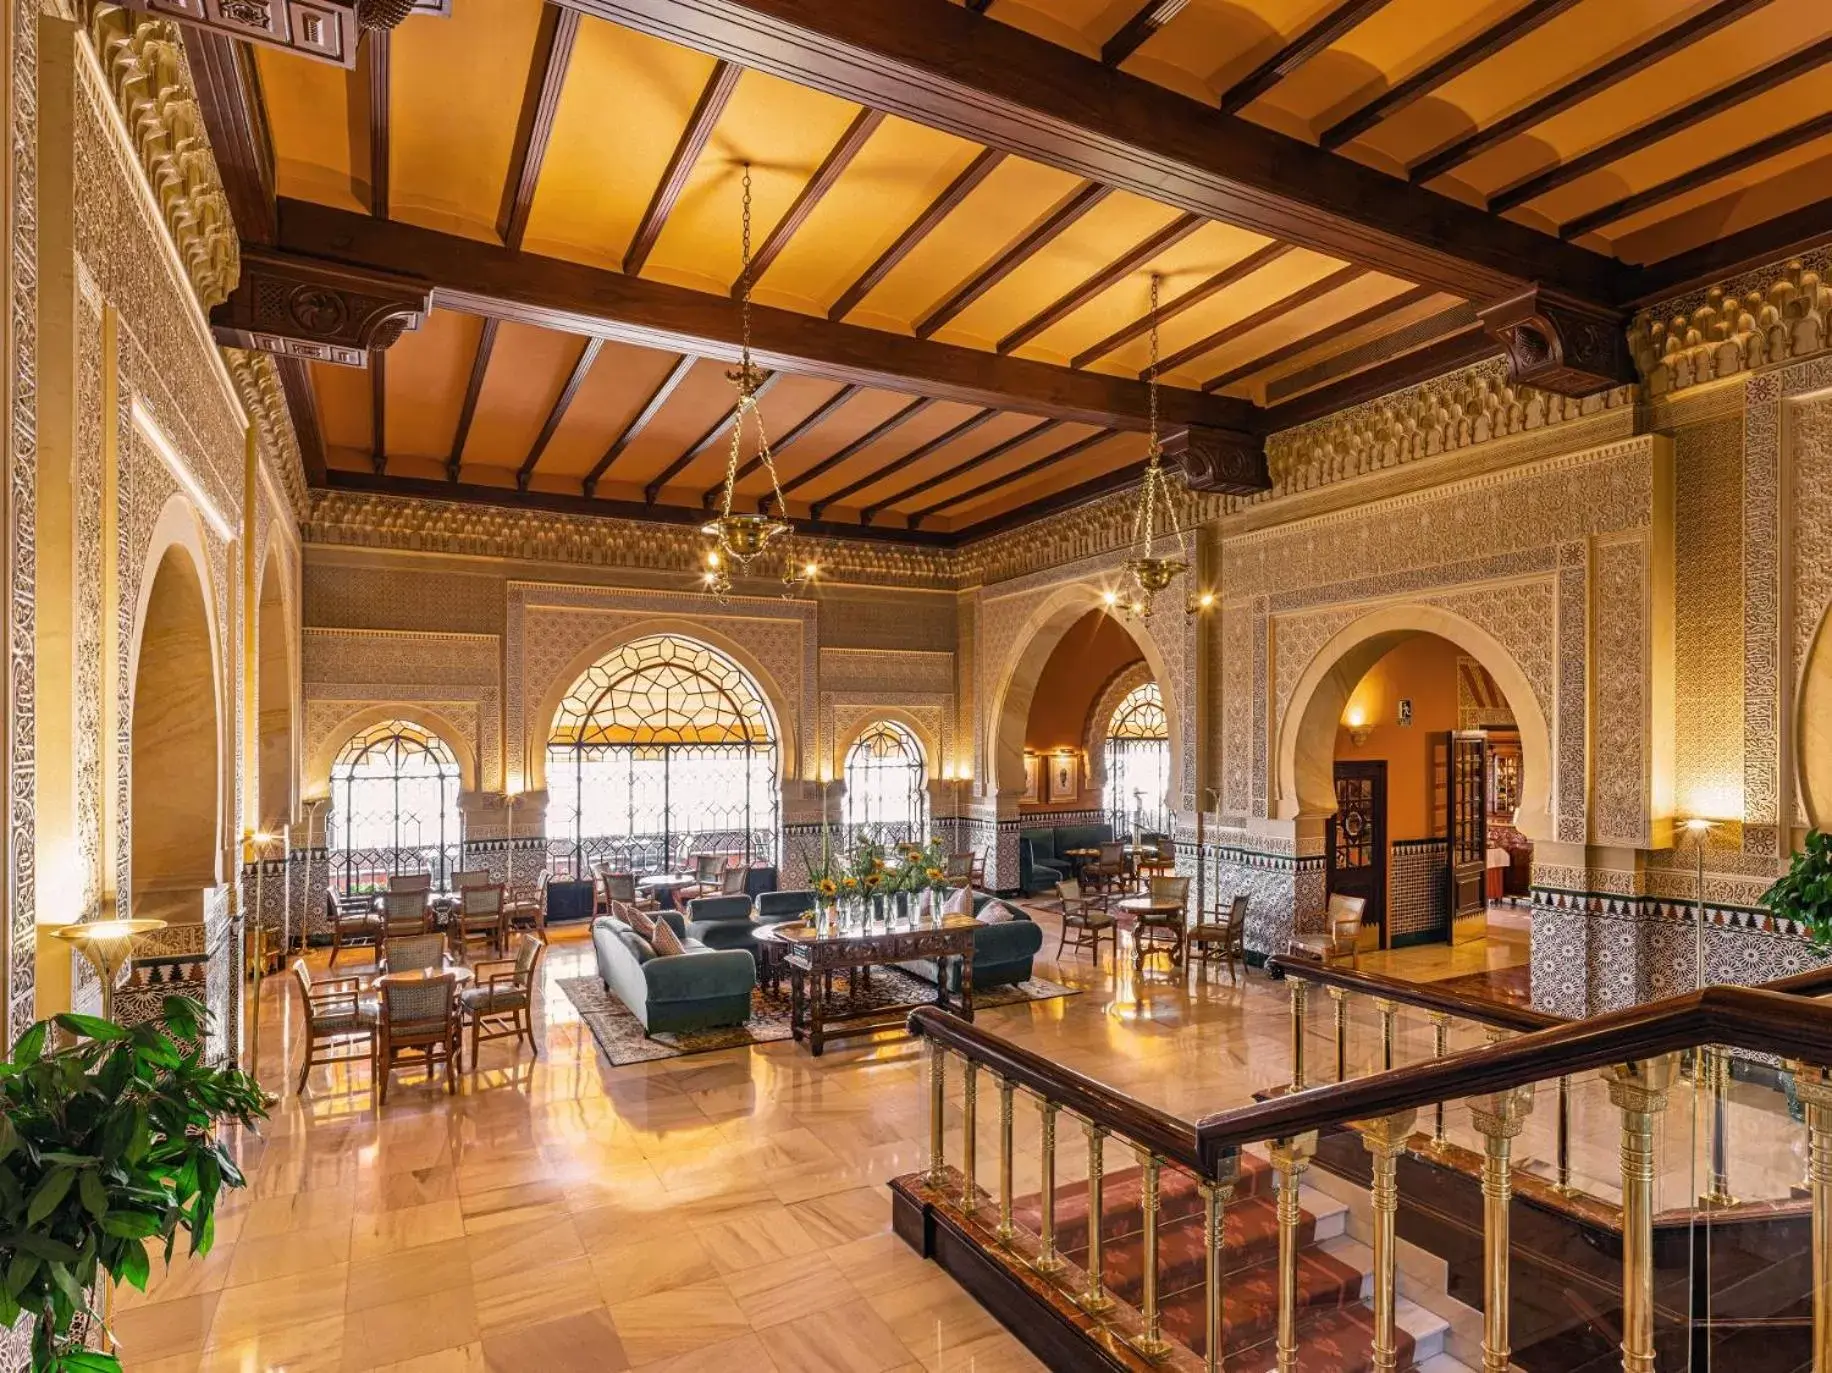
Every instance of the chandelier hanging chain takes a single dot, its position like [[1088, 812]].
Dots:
[[1150, 571]]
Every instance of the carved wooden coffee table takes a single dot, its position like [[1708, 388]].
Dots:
[[812, 959]]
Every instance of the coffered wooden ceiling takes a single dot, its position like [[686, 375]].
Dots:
[[958, 213]]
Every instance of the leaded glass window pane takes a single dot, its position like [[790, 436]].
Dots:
[[394, 806], [887, 797]]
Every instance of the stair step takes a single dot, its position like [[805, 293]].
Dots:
[[1342, 1341], [1179, 1197], [1250, 1306]]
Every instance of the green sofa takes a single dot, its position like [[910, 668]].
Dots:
[[1002, 953], [1041, 864], [697, 990]]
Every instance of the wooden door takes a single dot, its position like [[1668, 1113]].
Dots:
[[1358, 844], [1468, 825]]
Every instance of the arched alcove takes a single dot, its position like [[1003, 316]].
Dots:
[[274, 729], [1814, 730]]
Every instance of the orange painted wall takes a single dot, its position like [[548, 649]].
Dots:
[[1423, 668], [1095, 648]]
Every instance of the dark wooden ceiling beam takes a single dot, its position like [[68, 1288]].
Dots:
[[960, 469], [821, 413], [1774, 240], [1581, 88], [1169, 310], [1067, 498], [487, 279], [1703, 175], [553, 45], [639, 421], [1383, 348], [1067, 304], [859, 445], [909, 459], [372, 74], [720, 432], [933, 62], [1138, 29], [1466, 55], [1675, 121], [302, 405], [1300, 346], [1030, 469], [1462, 349], [1039, 236], [229, 98], [480, 364], [979, 6], [561, 403], [1326, 31], [378, 410], [825, 177], [1337, 279], [985, 162], [700, 124]]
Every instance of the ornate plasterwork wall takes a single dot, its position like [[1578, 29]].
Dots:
[[858, 686], [1775, 314]]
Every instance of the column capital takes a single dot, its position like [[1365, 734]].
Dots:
[[1386, 1136], [1293, 1151], [1641, 1086], [1812, 1083], [1502, 1115]]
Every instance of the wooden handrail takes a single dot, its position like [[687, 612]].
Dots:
[[1425, 996]]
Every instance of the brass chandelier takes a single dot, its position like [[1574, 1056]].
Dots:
[[738, 539], [1159, 553]]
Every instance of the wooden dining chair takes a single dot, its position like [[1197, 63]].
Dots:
[[959, 872], [471, 877], [480, 917], [339, 1021], [411, 881], [707, 868], [1341, 938], [417, 1019], [732, 880], [354, 922], [1226, 935], [414, 953], [614, 886], [524, 908], [501, 1003], [1166, 928], [1086, 916]]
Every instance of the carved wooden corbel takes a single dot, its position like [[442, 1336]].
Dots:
[[317, 310], [1225, 460], [1558, 344], [326, 30]]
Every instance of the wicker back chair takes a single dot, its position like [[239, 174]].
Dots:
[[411, 881], [353, 924], [417, 1018], [414, 953], [403, 914], [480, 917], [500, 1005], [732, 880], [471, 877], [339, 1021], [1085, 918], [1226, 934]]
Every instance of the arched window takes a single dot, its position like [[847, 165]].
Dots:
[[1138, 763], [663, 748], [394, 806], [887, 795]]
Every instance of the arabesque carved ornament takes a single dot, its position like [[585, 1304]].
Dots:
[[257, 381], [319, 311], [1778, 314]]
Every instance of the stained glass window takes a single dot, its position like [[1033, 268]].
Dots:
[[1137, 793], [663, 748], [394, 806], [887, 785]]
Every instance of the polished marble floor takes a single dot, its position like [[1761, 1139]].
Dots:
[[722, 1211]]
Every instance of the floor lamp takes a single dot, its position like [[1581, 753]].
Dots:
[[107, 944], [261, 842], [1712, 1069]]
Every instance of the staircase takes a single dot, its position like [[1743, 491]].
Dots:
[[1335, 1284]]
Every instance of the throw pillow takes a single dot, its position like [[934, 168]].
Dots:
[[639, 921], [959, 902], [996, 913], [665, 940]]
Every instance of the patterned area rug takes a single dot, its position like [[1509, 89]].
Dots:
[[622, 1038]]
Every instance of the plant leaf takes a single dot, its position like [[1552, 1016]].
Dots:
[[31, 1044], [49, 1194], [92, 1027], [94, 1193]]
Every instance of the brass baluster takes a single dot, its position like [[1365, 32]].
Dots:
[[1389, 1030], [1385, 1140], [1440, 1046], [1048, 1261], [1499, 1117], [1299, 989], [1290, 1157], [1006, 1230], [1814, 1086], [1639, 1091], [1215, 1198], [1339, 1011], [1095, 1300], [938, 1100], [970, 1074], [1715, 1066], [1150, 1341], [1564, 1135]]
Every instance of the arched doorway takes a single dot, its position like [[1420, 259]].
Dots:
[[1814, 716], [175, 805], [394, 806], [887, 785], [1136, 754], [273, 700], [662, 748]]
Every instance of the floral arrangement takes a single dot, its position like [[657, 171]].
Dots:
[[1804, 894]]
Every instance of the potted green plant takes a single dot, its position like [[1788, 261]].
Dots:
[[1804, 893], [108, 1141]]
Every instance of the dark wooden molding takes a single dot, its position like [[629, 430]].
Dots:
[[858, 445], [1346, 15], [706, 112], [1035, 465], [487, 279], [718, 433], [1455, 319], [976, 171], [908, 460], [1300, 346], [229, 98], [561, 403], [1138, 29], [1760, 245], [1039, 236], [480, 364], [1473, 52], [935, 63], [553, 45], [960, 469], [832, 168], [816, 417], [324, 30], [372, 69], [1231, 463], [1246, 324], [1703, 175], [1458, 350], [1581, 88], [1170, 309], [1559, 345], [979, 6], [378, 410], [1673, 122], [1067, 304], [302, 406], [320, 310], [639, 421], [1126, 474]]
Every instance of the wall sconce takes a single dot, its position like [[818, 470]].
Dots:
[[1200, 601], [1356, 721]]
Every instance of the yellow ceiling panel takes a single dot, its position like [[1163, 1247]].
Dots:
[[308, 115], [1314, 321], [1200, 256], [1061, 436], [626, 99], [784, 131], [427, 372], [1119, 451], [859, 416], [1258, 387], [899, 172], [1218, 42], [454, 98], [896, 476], [613, 393], [785, 405], [1001, 209], [344, 407], [695, 405], [1787, 182], [1078, 24], [905, 438], [1107, 232], [528, 366]]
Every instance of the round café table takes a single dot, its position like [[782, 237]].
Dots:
[[1150, 914], [665, 885]]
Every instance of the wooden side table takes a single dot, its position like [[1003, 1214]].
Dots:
[[1150, 914]]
